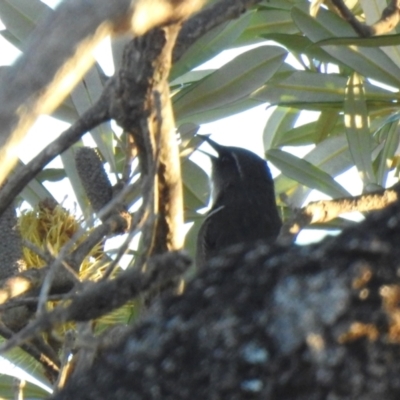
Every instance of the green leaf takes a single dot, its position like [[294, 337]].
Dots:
[[192, 76], [325, 125], [30, 391], [298, 44], [266, 21], [233, 82], [209, 45], [34, 191], [20, 16], [304, 89], [68, 160], [331, 156], [220, 112], [195, 185], [373, 41], [391, 135], [369, 62], [311, 132], [84, 96], [304, 172], [357, 128], [51, 175], [281, 120]]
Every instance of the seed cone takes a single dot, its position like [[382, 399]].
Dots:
[[10, 245], [93, 177]]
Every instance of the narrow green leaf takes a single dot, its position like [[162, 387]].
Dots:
[[370, 62], [30, 391], [311, 88], [281, 120], [84, 96], [266, 21], [331, 156], [51, 175], [209, 45], [325, 125], [234, 81], [218, 112], [300, 45], [22, 23], [391, 141], [299, 136], [34, 191], [304, 172], [357, 128], [192, 76], [20, 17], [68, 160], [195, 185], [373, 41], [312, 132]]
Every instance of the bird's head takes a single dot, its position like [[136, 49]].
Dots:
[[235, 167]]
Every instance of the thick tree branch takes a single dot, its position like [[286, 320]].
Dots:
[[208, 19]]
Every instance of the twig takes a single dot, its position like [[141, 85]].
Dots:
[[389, 19], [102, 297], [43, 255], [49, 365], [68, 346], [96, 115], [17, 302]]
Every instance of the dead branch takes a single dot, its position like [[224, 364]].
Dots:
[[327, 210]]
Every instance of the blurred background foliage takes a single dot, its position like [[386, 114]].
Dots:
[[296, 63]]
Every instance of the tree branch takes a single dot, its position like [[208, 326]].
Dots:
[[327, 210], [36, 84], [102, 297], [389, 19]]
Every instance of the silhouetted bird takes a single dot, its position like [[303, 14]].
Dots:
[[243, 202]]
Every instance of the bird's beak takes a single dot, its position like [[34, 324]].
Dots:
[[213, 144], [212, 156]]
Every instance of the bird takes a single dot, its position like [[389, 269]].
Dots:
[[243, 205]]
